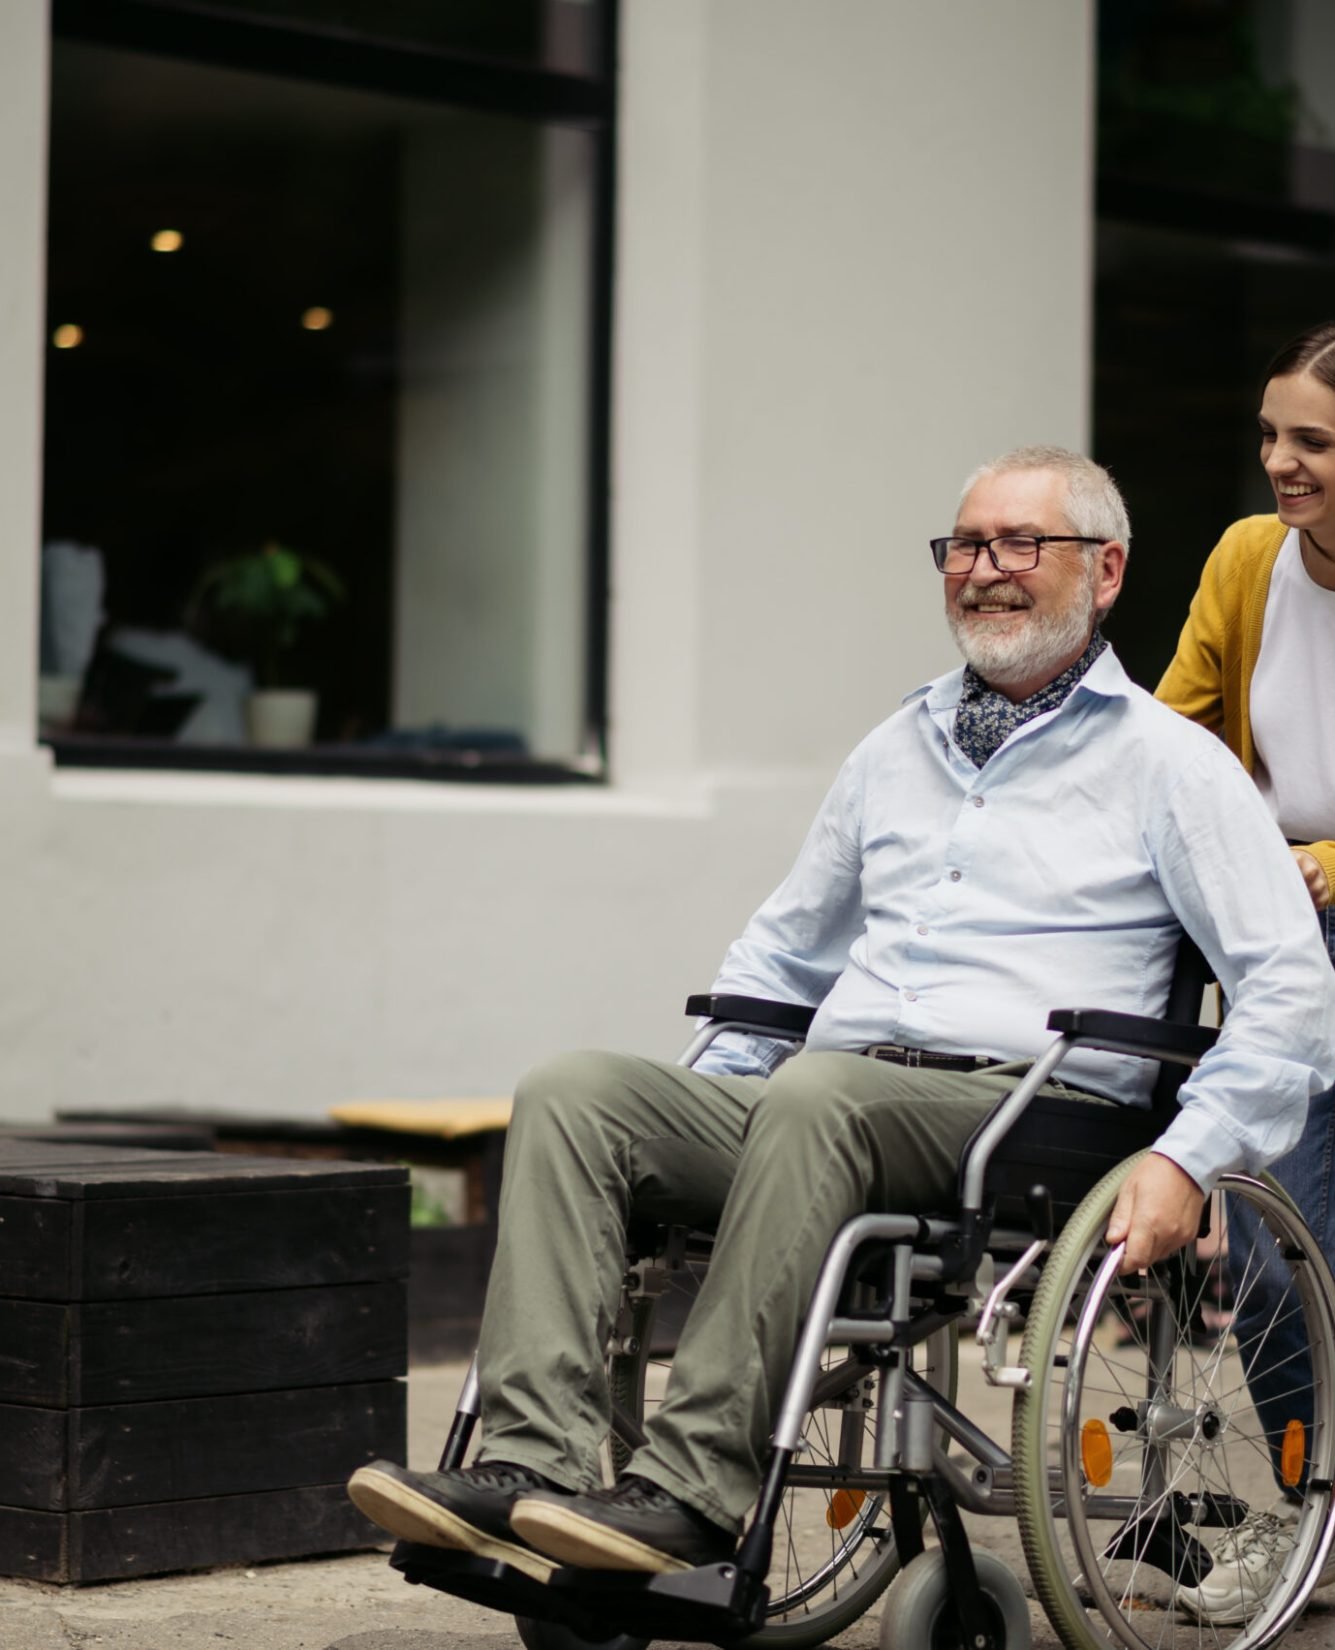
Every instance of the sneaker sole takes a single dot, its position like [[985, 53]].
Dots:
[[1236, 1612], [412, 1516], [573, 1539], [1232, 1615]]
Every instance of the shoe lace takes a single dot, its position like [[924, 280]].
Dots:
[[502, 1475], [1260, 1532], [642, 1492]]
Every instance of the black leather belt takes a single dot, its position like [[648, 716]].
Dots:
[[924, 1057]]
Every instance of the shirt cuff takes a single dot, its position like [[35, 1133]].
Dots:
[[742, 1054], [1198, 1145]]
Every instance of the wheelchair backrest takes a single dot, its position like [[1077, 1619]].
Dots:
[[1191, 975], [1068, 1144]]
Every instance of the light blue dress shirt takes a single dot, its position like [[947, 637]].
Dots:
[[948, 907]]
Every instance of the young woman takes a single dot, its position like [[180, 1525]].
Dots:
[[1256, 663]]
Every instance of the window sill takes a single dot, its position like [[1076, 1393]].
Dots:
[[131, 781], [451, 766]]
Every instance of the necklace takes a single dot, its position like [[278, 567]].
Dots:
[[1323, 575]]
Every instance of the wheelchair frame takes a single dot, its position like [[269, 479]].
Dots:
[[939, 1261]]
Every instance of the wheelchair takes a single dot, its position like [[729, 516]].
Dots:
[[1135, 1445]]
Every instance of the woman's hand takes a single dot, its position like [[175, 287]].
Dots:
[[1313, 876]]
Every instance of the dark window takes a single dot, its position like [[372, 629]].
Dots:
[[1215, 245], [326, 384]]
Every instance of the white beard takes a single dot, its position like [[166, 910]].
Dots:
[[1003, 654]]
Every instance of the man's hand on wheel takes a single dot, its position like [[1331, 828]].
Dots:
[[1157, 1211]]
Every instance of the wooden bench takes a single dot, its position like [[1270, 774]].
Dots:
[[196, 1349]]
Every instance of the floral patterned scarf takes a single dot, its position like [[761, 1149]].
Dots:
[[985, 719]]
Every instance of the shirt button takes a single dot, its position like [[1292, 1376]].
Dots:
[[956, 875], [978, 802], [922, 927], [910, 996]]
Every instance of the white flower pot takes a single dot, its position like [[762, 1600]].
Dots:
[[281, 718]]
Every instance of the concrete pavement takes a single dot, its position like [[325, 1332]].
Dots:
[[358, 1603]]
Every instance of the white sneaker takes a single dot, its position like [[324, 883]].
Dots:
[[1247, 1563]]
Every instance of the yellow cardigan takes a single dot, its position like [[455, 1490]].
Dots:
[[1210, 676]]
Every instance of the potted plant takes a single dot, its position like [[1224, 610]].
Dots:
[[259, 605]]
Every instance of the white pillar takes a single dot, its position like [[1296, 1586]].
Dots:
[[23, 143]]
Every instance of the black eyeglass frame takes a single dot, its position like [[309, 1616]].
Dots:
[[940, 549]]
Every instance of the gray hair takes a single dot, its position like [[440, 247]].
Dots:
[[1094, 509]]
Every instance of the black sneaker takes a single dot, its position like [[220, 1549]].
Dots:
[[633, 1526], [467, 1508]]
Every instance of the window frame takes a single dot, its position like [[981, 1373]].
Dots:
[[359, 59]]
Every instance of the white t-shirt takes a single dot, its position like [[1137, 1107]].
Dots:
[[1293, 700]]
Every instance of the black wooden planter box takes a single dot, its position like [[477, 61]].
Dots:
[[195, 1351]]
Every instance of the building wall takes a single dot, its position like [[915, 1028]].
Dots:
[[853, 259], [23, 104]]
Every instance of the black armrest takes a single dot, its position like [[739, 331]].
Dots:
[[789, 1019], [1134, 1033]]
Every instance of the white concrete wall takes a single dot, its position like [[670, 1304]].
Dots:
[[844, 276], [23, 107]]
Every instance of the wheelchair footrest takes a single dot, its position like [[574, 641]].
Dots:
[[712, 1604], [480, 1580]]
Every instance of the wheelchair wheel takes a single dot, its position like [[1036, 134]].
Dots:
[[915, 1612], [1139, 1447], [834, 1554]]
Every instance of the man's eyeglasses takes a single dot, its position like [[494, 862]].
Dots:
[[1016, 553]]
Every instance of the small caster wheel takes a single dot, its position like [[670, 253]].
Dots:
[[917, 1615], [551, 1635]]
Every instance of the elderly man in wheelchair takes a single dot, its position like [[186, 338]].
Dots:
[[1030, 832]]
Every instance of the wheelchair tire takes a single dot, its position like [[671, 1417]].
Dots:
[[915, 1613], [834, 1554], [550, 1635], [1140, 1427]]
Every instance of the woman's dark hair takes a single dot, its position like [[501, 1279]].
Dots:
[[1311, 351]]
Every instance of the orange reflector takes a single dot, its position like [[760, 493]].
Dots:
[[1096, 1452], [843, 1507], [1292, 1453]]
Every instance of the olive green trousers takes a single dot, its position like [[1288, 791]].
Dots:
[[825, 1138]]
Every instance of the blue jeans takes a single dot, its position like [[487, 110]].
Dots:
[[1269, 1328]]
